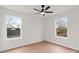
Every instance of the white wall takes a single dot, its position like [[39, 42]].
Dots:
[[31, 29], [73, 28]]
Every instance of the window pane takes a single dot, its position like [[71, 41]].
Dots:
[[61, 26], [13, 26]]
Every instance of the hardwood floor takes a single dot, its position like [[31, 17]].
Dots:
[[41, 47]]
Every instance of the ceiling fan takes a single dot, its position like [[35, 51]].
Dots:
[[43, 10]]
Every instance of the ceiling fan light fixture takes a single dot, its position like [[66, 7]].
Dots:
[[42, 13]]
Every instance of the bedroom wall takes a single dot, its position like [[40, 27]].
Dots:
[[73, 29], [31, 29]]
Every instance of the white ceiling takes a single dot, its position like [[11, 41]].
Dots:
[[29, 8]]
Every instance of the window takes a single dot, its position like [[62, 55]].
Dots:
[[61, 27], [14, 29]]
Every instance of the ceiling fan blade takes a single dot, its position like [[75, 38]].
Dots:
[[49, 12], [47, 7], [36, 9]]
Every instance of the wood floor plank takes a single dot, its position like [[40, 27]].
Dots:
[[41, 47]]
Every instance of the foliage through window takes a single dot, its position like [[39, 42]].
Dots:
[[13, 26], [61, 26]]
